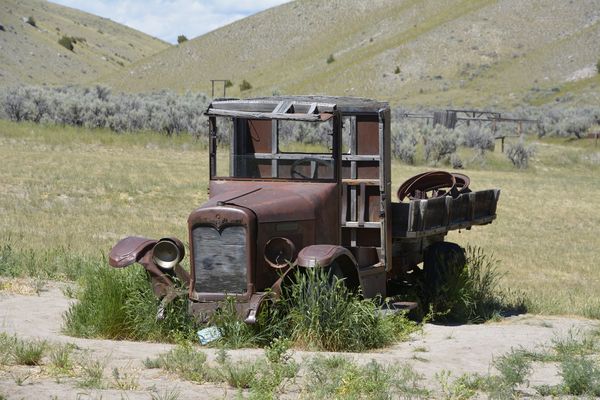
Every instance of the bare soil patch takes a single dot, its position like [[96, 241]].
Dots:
[[458, 349]]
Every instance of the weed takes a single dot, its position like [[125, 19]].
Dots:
[[20, 377], [186, 362], [458, 389], [278, 350], [168, 394], [234, 332], [124, 380], [513, 367], [28, 352], [152, 363], [337, 377], [239, 375], [60, 359], [580, 376], [92, 373]]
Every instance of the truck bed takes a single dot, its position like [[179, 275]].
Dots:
[[421, 218]]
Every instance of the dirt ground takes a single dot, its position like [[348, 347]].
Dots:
[[459, 349]]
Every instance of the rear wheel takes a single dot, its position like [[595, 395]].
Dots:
[[443, 276]]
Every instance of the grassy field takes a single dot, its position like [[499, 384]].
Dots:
[[83, 190]]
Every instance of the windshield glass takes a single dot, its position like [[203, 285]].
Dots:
[[272, 149]]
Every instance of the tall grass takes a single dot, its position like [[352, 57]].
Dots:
[[318, 313], [474, 292], [120, 304]]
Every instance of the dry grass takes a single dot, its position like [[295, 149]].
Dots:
[[33, 55], [87, 189], [475, 52]]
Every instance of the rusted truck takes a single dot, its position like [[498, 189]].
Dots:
[[277, 204]]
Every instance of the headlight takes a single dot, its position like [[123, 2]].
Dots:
[[279, 252], [168, 252]]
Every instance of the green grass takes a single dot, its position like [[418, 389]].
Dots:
[[120, 304], [320, 314]]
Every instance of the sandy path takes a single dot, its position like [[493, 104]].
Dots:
[[459, 349]]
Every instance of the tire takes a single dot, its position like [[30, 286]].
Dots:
[[442, 278]]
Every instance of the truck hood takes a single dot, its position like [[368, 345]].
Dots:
[[272, 201]]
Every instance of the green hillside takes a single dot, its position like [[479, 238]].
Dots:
[[30, 52], [459, 52]]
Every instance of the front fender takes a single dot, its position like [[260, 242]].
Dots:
[[323, 255], [134, 249]]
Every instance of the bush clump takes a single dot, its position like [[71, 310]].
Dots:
[[31, 21], [519, 154], [440, 143], [330, 59], [181, 39], [97, 107], [67, 42], [245, 85]]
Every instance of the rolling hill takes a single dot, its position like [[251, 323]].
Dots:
[[444, 52], [30, 52]]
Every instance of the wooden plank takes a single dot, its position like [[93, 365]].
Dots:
[[368, 182]]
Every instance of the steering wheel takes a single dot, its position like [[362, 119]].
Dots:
[[294, 173]]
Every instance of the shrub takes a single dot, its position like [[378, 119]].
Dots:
[[404, 141], [397, 70], [181, 39], [31, 21], [440, 143], [14, 104], [581, 376], [519, 154], [330, 59], [66, 42], [477, 138], [598, 66], [245, 85], [228, 83], [97, 107]]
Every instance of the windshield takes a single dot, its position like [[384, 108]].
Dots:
[[272, 149]]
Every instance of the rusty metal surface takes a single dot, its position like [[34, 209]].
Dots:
[[434, 184], [129, 250], [322, 255]]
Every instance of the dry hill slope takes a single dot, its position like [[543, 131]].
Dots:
[[32, 55], [468, 52]]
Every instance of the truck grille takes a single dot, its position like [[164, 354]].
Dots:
[[220, 259]]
